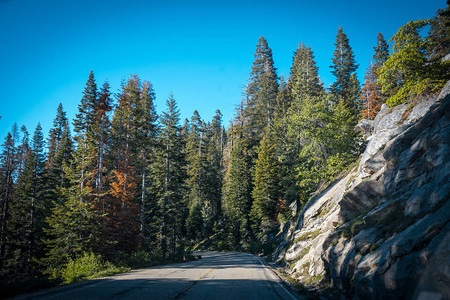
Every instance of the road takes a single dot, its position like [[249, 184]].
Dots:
[[218, 275]]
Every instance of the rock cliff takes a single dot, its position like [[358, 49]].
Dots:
[[382, 231]]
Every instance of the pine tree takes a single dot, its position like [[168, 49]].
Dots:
[[381, 52], [29, 208], [8, 168], [370, 98], [261, 96], [100, 135], [439, 34], [169, 174], [236, 203], [73, 226], [266, 191], [304, 83], [197, 169], [85, 117], [56, 133], [328, 142], [196, 159], [286, 148], [344, 66], [23, 150], [410, 71], [204, 149], [304, 79], [123, 217], [146, 134], [194, 223], [82, 123], [123, 207], [60, 154], [215, 141]]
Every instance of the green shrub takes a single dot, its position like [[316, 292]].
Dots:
[[88, 266], [413, 89], [355, 226]]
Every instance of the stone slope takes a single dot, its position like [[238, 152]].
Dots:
[[383, 228]]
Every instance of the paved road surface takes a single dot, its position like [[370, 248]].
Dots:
[[223, 275]]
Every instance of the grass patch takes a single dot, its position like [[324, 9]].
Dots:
[[373, 247], [414, 101], [335, 242], [351, 230], [307, 236], [349, 182], [313, 279], [305, 267], [355, 225], [406, 114], [306, 277], [325, 211], [302, 254]]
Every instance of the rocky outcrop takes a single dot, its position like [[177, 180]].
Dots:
[[365, 128], [382, 231]]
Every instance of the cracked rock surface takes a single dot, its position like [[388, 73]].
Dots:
[[382, 231]]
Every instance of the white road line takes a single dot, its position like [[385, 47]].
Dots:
[[277, 280]]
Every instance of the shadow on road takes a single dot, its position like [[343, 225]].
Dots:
[[215, 276]]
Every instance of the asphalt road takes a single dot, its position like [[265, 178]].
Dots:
[[218, 275]]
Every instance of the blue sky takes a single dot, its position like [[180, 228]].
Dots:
[[200, 50]]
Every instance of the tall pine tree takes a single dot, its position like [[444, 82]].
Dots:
[[169, 174], [128, 159], [261, 96], [346, 86], [371, 96], [60, 151], [304, 79], [29, 208], [85, 147], [8, 171]]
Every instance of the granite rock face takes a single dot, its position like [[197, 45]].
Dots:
[[382, 231]]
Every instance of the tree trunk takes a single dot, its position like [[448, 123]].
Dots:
[[143, 206]]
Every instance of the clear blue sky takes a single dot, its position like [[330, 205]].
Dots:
[[200, 50]]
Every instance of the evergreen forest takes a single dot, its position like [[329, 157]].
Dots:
[[121, 186]]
